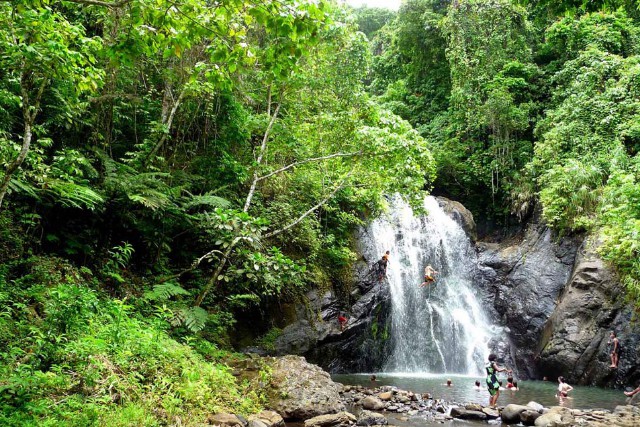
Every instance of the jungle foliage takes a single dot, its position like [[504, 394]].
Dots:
[[169, 169], [525, 104]]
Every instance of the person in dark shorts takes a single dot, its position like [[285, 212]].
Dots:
[[382, 266], [493, 385]]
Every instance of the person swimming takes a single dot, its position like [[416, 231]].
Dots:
[[448, 383], [477, 387]]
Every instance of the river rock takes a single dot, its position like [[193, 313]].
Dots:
[[535, 406], [386, 396], [473, 407], [300, 390], [368, 418], [268, 418], [341, 419], [511, 413], [225, 420], [465, 414], [529, 417], [491, 413], [556, 416], [372, 402]]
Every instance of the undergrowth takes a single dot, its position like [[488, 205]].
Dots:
[[72, 356]]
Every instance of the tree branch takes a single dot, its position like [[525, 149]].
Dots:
[[112, 5], [310, 211], [263, 147], [311, 159]]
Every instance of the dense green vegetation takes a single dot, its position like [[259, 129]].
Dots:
[[168, 169], [525, 104]]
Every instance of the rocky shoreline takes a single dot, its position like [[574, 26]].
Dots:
[[300, 392]]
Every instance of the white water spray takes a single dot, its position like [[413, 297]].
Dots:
[[441, 328]]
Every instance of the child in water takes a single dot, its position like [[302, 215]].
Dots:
[[477, 386]]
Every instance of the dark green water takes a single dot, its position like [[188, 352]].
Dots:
[[463, 391]]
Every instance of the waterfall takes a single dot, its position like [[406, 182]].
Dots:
[[441, 328]]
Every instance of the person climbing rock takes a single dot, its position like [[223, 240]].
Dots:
[[563, 388], [342, 321], [493, 385], [382, 266], [614, 344], [429, 276]]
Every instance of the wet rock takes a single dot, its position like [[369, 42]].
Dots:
[[529, 417], [459, 214], [473, 407], [372, 402], [535, 406], [521, 293], [392, 408], [368, 418], [491, 413], [511, 413], [556, 416], [578, 331], [465, 414], [225, 420], [300, 390], [341, 419]]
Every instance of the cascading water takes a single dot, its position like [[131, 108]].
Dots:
[[440, 328]]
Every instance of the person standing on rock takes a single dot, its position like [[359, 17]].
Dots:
[[615, 350], [342, 320], [493, 384]]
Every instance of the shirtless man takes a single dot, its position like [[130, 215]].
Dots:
[[615, 350], [429, 276]]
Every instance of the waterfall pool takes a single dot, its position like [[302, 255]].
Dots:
[[462, 391]]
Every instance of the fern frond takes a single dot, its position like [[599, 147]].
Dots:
[[207, 199], [165, 291], [193, 318]]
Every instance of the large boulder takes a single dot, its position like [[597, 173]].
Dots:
[[521, 279], [372, 402], [341, 419], [556, 416], [529, 417], [368, 418], [459, 214], [577, 333], [300, 390], [511, 413], [466, 414]]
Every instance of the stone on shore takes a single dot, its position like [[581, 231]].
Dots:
[[491, 413], [535, 406], [386, 396], [300, 390], [556, 416], [529, 417], [511, 413], [225, 420], [341, 419], [267, 418], [368, 418], [465, 414], [372, 402]]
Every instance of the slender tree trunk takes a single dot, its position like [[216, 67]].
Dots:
[[29, 115]]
